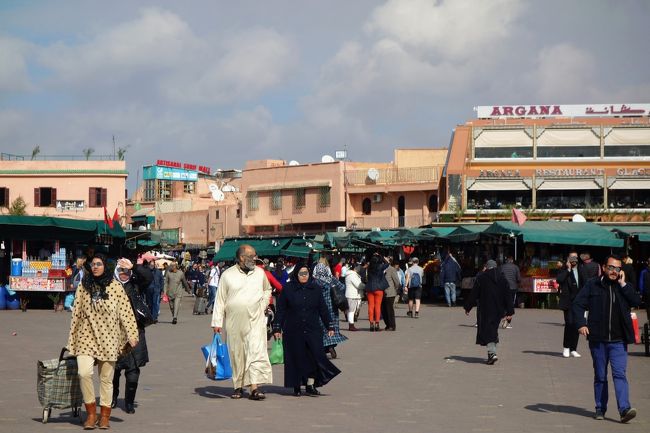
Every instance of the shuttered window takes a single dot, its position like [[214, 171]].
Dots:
[[4, 197], [44, 197], [97, 197]]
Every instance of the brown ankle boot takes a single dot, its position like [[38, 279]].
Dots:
[[352, 328], [91, 416], [105, 415]]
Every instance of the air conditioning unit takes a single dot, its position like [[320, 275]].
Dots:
[[377, 198], [341, 229], [375, 229]]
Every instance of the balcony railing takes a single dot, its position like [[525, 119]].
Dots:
[[370, 222], [392, 176]]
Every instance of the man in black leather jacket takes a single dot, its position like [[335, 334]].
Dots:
[[608, 327]]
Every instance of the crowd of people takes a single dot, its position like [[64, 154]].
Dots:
[[108, 331]]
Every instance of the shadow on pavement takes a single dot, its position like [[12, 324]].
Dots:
[[551, 323], [467, 359], [543, 353], [552, 408], [467, 326], [226, 391]]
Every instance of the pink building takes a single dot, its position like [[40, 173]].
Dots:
[[69, 189], [313, 198]]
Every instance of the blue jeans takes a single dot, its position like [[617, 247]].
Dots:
[[212, 295], [614, 354], [450, 293], [155, 304]]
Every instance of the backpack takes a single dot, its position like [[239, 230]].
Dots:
[[415, 281]]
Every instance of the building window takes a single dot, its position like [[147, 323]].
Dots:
[[4, 197], [253, 199], [217, 214], [164, 191], [238, 215], [570, 199], [433, 203], [568, 151], [300, 198], [149, 190], [276, 200], [366, 206], [324, 196], [503, 152], [188, 187], [628, 198], [499, 199], [44, 197], [97, 197]]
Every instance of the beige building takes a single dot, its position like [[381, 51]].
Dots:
[[70, 189], [199, 209], [286, 199]]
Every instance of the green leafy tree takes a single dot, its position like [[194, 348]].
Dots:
[[121, 152], [18, 206]]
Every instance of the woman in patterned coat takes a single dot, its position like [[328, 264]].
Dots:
[[323, 276], [102, 326]]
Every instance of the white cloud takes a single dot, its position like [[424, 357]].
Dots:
[[241, 67], [564, 73], [455, 30], [163, 58], [13, 66]]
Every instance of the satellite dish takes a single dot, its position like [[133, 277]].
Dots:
[[213, 187], [294, 162], [218, 195], [373, 174], [229, 188], [327, 158], [577, 218]]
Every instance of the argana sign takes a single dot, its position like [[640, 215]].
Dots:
[[593, 110]]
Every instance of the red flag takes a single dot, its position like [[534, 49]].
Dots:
[[108, 221], [518, 217], [116, 217]]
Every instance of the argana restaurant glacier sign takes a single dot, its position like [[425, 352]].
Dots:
[[593, 110]]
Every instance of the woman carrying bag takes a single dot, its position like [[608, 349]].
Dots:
[[301, 309], [133, 279], [323, 276], [102, 326]]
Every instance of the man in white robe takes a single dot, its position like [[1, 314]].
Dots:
[[243, 296]]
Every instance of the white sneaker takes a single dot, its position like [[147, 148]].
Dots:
[[575, 354], [508, 326], [566, 352]]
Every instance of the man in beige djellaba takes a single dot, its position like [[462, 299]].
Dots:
[[242, 298]]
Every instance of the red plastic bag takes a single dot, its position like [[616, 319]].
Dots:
[[165, 298], [635, 326]]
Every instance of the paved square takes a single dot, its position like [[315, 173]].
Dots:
[[429, 376]]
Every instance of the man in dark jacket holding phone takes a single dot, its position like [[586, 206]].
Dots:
[[608, 328]]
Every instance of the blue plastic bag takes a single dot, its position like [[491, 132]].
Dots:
[[217, 360], [68, 302]]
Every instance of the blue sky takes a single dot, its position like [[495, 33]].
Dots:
[[223, 82]]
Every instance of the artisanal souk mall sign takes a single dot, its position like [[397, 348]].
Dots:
[[594, 110]]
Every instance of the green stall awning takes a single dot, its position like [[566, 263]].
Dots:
[[263, 247], [641, 232], [466, 233], [51, 228], [558, 232]]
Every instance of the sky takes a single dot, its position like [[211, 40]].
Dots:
[[218, 82]]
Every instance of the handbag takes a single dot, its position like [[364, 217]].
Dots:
[[277, 352], [217, 363], [141, 310], [165, 298], [337, 293]]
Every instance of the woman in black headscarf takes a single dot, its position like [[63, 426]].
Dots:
[[301, 308], [102, 324], [134, 279]]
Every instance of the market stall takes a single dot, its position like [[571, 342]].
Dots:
[[37, 251]]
